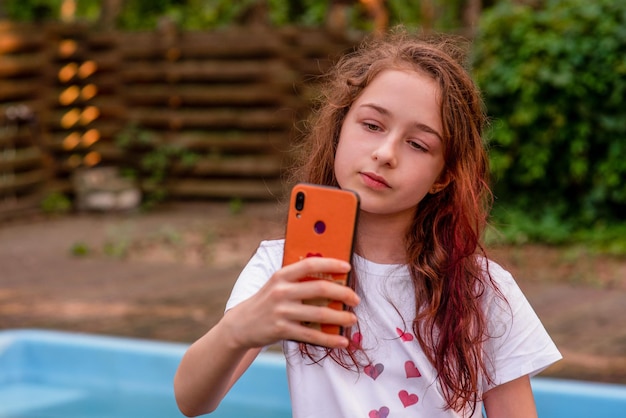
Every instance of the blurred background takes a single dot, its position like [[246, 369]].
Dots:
[[143, 142]]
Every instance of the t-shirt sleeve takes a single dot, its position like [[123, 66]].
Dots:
[[264, 263], [519, 343]]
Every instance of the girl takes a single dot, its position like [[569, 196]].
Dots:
[[437, 329]]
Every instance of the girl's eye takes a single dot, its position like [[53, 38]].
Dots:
[[371, 126], [417, 146]]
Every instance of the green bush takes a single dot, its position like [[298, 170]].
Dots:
[[554, 79], [210, 14]]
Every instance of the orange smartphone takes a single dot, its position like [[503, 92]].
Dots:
[[321, 222]]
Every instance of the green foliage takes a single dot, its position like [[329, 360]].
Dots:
[[32, 10], [235, 206], [512, 225], [447, 14], [80, 249], [154, 163], [554, 79], [119, 241], [203, 14], [208, 14], [56, 203], [42, 10]]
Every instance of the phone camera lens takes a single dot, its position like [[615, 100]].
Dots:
[[299, 201]]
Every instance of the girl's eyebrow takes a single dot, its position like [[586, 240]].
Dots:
[[420, 126]]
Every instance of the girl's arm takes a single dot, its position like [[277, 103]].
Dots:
[[208, 370], [213, 364], [513, 399]]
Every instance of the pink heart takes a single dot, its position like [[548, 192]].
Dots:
[[381, 413], [407, 398], [405, 336], [355, 342], [374, 371], [411, 370]]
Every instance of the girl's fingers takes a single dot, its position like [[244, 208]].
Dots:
[[324, 287], [284, 322], [295, 314], [312, 266], [315, 337], [277, 311], [319, 314]]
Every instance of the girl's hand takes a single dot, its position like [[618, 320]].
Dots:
[[276, 312]]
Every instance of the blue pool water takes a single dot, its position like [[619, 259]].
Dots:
[[46, 374]]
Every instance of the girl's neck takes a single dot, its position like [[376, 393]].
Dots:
[[381, 239]]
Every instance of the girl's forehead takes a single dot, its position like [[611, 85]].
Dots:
[[401, 81], [409, 97]]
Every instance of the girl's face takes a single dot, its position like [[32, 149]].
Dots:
[[390, 147]]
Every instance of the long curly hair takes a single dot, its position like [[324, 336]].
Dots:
[[444, 241]]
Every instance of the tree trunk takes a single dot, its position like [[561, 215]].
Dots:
[[428, 15], [109, 11], [471, 15]]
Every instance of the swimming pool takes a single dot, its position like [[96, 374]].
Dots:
[[45, 374]]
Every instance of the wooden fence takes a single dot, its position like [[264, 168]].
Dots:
[[228, 98], [23, 168]]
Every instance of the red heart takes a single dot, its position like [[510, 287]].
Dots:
[[411, 370], [381, 413], [374, 371], [407, 398], [355, 342], [313, 255], [405, 336]]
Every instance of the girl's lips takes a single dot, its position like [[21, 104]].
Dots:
[[374, 180]]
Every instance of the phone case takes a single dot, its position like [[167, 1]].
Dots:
[[321, 223]]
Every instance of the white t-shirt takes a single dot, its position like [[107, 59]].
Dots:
[[398, 381]]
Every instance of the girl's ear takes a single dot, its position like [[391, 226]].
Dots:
[[440, 184]]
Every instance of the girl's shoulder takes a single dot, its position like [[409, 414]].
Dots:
[[498, 283], [272, 244], [271, 249], [495, 271], [266, 260]]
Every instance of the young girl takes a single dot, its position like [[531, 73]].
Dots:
[[437, 330]]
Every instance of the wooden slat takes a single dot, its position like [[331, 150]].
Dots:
[[252, 166], [208, 70], [19, 206], [231, 43], [109, 103], [231, 141], [22, 158], [250, 189], [60, 185], [108, 39], [315, 43], [206, 142], [204, 95], [16, 90], [19, 138], [106, 87], [16, 38], [107, 60], [20, 181], [109, 153], [21, 64], [108, 107], [244, 118], [108, 130]]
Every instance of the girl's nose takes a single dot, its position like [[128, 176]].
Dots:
[[386, 153]]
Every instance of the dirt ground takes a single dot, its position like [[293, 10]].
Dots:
[[167, 274]]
